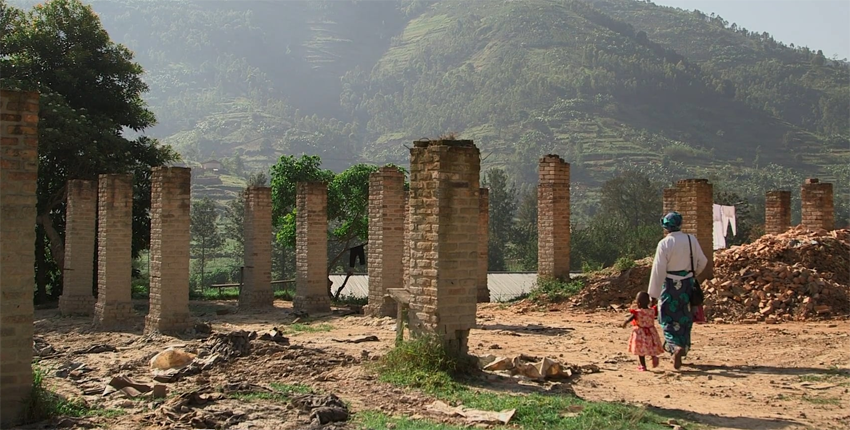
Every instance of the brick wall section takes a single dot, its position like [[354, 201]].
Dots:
[[311, 261], [483, 239], [18, 176], [818, 209], [405, 259], [114, 254], [169, 253], [553, 219], [777, 212], [444, 187], [257, 290], [386, 239], [80, 229], [694, 200], [669, 201]]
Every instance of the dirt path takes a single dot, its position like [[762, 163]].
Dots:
[[788, 376]]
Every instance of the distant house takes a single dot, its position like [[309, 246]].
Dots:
[[213, 165]]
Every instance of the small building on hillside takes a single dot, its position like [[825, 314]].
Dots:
[[213, 165]]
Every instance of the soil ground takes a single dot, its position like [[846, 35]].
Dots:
[[787, 376]]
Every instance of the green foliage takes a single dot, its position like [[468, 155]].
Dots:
[[631, 197], [422, 363], [348, 201], [90, 93], [604, 240], [44, 404], [555, 291], [205, 236], [624, 263], [502, 201]]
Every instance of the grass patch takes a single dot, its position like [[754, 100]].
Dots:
[[307, 328], [44, 404], [819, 400], [423, 363], [624, 263], [554, 291], [351, 301]]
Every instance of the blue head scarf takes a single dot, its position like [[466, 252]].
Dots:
[[672, 222]]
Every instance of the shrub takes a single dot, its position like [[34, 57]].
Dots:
[[554, 291]]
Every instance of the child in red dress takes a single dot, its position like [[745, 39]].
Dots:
[[644, 339]]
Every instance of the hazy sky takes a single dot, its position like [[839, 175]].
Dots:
[[818, 24]]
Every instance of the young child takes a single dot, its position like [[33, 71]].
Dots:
[[644, 339]]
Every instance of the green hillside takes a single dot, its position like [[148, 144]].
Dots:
[[608, 84]]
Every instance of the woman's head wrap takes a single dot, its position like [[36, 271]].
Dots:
[[672, 221]]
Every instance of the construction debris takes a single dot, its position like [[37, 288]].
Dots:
[[171, 358], [537, 369], [229, 345], [473, 415], [97, 349], [322, 409], [359, 339], [797, 275]]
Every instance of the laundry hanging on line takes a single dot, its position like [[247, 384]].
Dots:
[[722, 217]]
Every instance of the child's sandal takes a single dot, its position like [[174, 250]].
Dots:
[[641, 369]]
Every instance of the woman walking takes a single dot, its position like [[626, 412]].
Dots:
[[672, 282]]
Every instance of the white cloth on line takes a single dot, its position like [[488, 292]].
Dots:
[[719, 230], [727, 215]]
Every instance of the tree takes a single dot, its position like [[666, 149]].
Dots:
[[502, 209], [348, 201], [524, 241], [90, 93], [632, 197], [205, 236]]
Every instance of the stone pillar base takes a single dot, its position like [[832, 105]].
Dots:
[[114, 314], [387, 308], [172, 323], [76, 305], [312, 304], [259, 299]]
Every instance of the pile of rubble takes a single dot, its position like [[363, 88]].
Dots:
[[611, 288], [800, 274]]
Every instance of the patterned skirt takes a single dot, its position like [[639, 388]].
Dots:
[[674, 314]]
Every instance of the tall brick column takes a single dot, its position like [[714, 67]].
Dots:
[[818, 209], [171, 191], [405, 259], [18, 176], [311, 262], [483, 242], [553, 218], [669, 201], [777, 212], [114, 253], [444, 187], [257, 290], [386, 239], [694, 200], [80, 228]]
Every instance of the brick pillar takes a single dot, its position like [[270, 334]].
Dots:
[[80, 228], [669, 201], [18, 176], [311, 281], [777, 212], [386, 239], [405, 259], [256, 292], [483, 242], [171, 191], [114, 253], [818, 210], [553, 218], [444, 187], [694, 200]]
